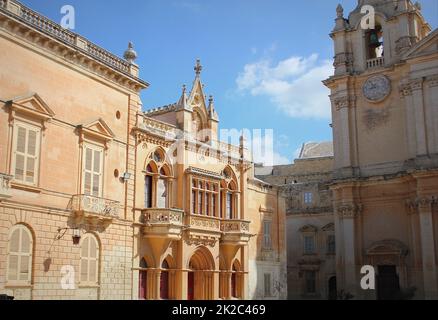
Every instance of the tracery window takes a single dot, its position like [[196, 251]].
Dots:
[[158, 177], [229, 195]]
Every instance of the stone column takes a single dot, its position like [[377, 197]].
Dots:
[[229, 285], [347, 215], [157, 284], [428, 248], [420, 125]]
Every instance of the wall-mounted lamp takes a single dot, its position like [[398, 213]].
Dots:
[[76, 234]]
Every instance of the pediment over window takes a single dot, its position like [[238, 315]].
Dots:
[[388, 247], [31, 105], [309, 229], [329, 227], [97, 130]]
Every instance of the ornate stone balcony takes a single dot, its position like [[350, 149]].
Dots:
[[5, 187], [94, 210], [235, 232], [203, 229], [162, 223]]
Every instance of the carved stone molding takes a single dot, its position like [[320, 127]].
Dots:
[[405, 90], [344, 102], [421, 204], [344, 58], [403, 44], [204, 241], [432, 81], [349, 211], [416, 84]]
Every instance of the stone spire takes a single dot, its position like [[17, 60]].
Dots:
[[182, 103], [130, 55], [340, 11], [211, 111]]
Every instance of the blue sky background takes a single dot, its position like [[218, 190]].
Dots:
[[263, 60]]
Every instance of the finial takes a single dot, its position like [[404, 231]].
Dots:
[[340, 11], [130, 55], [418, 5], [210, 99], [198, 67], [184, 87]]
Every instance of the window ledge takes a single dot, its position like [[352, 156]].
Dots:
[[12, 285], [25, 187], [88, 286]]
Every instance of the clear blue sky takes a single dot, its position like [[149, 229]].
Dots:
[[263, 60]]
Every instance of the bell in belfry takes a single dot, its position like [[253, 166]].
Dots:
[[374, 39]]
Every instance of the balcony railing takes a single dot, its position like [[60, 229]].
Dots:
[[162, 216], [55, 30], [162, 223], [376, 63], [235, 232], [237, 226], [5, 185], [204, 223], [95, 206]]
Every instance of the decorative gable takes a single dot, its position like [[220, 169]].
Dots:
[[426, 46], [32, 106], [96, 130]]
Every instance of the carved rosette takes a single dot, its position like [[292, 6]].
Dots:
[[349, 211]]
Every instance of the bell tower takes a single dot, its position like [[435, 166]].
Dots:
[[384, 101]]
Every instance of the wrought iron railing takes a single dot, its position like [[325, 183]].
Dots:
[[95, 206]]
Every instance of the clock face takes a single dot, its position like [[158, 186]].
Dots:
[[377, 88]]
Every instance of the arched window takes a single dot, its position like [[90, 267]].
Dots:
[[229, 195], [142, 280], [89, 260], [20, 255], [164, 281], [157, 181], [375, 43], [197, 123]]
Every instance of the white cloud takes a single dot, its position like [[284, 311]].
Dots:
[[294, 85], [262, 148]]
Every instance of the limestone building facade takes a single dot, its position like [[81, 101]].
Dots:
[[100, 200], [384, 98], [311, 249]]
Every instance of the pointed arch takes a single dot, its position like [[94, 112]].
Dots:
[[201, 259]]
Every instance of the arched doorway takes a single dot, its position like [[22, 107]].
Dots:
[[200, 278], [142, 280], [388, 283], [332, 289], [164, 281]]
